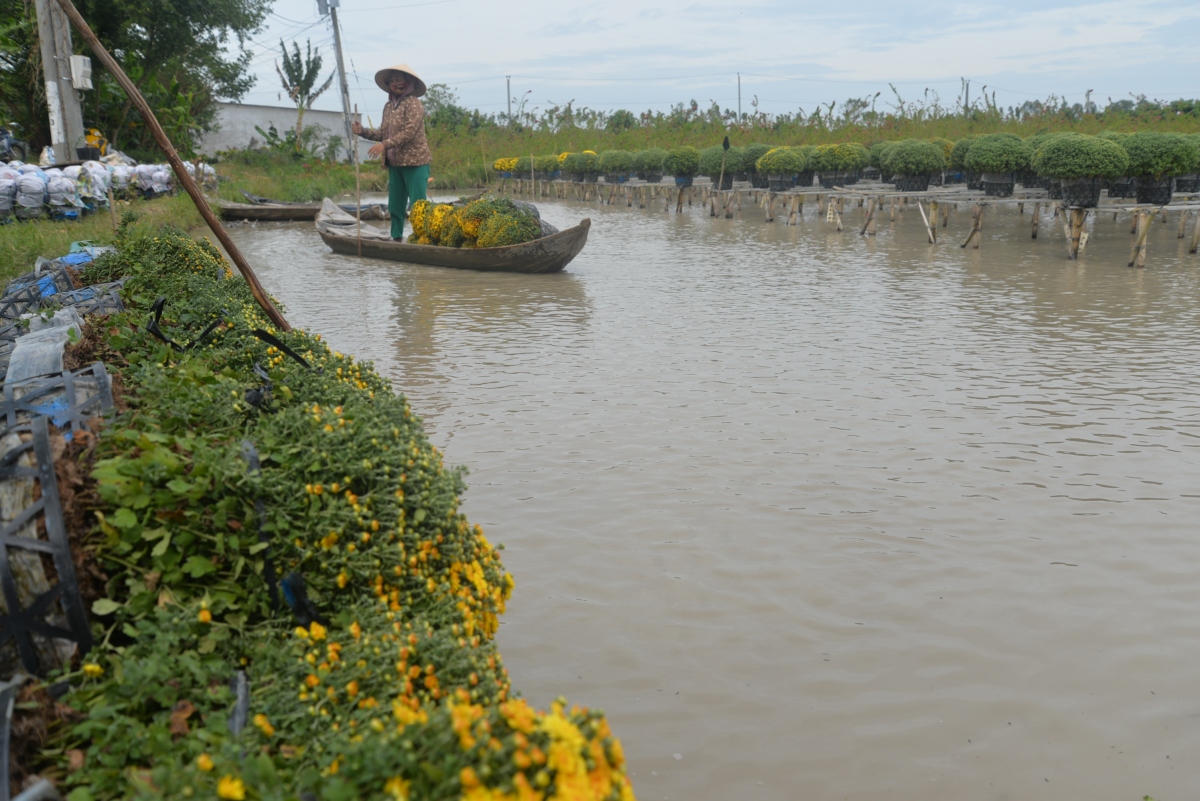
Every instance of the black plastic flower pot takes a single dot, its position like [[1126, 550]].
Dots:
[[911, 183], [651, 177], [831, 179], [936, 179], [726, 182], [779, 183], [1188, 183], [683, 181], [1054, 189], [576, 177], [614, 178], [1155, 190], [1084, 192], [1122, 187], [741, 176], [998, 184], [591, 177], [974, 181], [803, 179], [871, 174], [953, 177], [759, 180], [851, 178]]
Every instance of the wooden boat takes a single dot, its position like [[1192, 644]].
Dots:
[[547, 254], [261, 209]]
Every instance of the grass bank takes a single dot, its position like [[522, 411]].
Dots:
[[280, 176], [22, 242]]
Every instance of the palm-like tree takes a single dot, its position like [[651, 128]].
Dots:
[[299, 75]]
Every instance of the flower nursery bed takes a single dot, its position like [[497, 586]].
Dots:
[[287, 601]]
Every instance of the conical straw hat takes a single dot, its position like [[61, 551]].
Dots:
[[384, 75]]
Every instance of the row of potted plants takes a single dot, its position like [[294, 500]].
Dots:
[[1149, 165]]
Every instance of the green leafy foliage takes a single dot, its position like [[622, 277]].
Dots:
[[841, 157], [751, 154], [998, 153], [545, 164], [616, 161], [915, 157], [1080, 156], [648, 161], [781, 161], [711, 160], [682, 162], [877, 155], [1159, 154], [512, 228], [958, 155]]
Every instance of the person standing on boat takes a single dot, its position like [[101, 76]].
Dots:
[[401, 141]]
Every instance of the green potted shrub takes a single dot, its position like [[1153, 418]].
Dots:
[[877, 158], [1082, 164], [804, 178], [590, 162], [648, 164], [839, 164], [616, 165], [750, 156], [1155, 158], [779, 166], [912, 161], [1126, 185], [958, 162], [998, 158], [682, 163], [947, 146], [710, 165], [1031, 179], [523, 168], [572, 167], [544, 167], [1190, 181]]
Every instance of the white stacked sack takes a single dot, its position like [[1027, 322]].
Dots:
[[31, 193]]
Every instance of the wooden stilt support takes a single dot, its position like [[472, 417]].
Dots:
[[1074, 241], [770, 207], [1133, 227], [932, 222], [1137, 257], [1037, 218], [976, 226], [679, 205], [870, 221], [792, 210], [893, 209], [837, 213], [1195, 235], [1183, 215]]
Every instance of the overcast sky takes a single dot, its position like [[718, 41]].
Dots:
[[639, 56]]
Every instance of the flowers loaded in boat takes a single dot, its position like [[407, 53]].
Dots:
[[483, 223]]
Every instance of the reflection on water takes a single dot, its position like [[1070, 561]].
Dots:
[[814, 515]]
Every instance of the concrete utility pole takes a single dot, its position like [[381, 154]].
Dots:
[[66, 118], [739, 98], [508, 86], [351, 140]]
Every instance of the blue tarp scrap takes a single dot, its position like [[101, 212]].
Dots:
[[75, 259]]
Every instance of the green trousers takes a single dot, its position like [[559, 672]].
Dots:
[[406, 185]]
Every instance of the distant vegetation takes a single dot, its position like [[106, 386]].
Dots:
[[466, 143]]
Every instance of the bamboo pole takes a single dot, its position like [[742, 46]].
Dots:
[[177, 165], [1037, 218], [1195, 235], [928, 227], [112, 209], [1137, 258], [1183, 223], [870, 219], [932, 222], [358, 191]]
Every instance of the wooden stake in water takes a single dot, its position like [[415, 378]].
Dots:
[[358, 190]]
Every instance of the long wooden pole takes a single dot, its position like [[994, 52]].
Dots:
[[181, 172], [357, 187]]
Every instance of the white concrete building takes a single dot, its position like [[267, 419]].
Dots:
[[236, 122]]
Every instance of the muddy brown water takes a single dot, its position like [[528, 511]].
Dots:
[[814, 515]]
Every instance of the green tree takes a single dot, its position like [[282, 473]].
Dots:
[[299, 76], [183, 55]]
